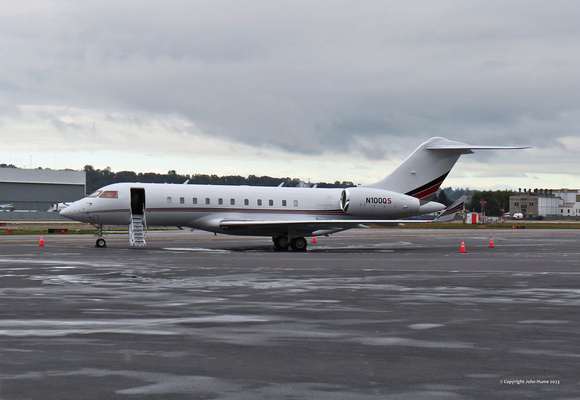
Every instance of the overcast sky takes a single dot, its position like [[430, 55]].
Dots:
[[318, 90]]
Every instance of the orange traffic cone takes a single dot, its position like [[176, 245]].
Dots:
[[491, 242], [41, 240], [313, 239], [462, 247]]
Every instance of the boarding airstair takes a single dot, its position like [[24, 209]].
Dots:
[[137, 230]]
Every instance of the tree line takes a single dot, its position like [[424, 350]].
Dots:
[[97, 178]]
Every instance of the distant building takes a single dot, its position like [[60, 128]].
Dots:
[[36, 190], [546, 203]]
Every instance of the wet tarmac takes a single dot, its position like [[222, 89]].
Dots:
[[366, 314]]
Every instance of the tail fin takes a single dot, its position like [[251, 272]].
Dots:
[[423, 172], [449, 213]]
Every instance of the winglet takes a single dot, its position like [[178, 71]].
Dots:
[[449, 213]]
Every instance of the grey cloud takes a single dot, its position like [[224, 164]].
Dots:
[[347, 77]]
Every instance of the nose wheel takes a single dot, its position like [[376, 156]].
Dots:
[[101, 242]]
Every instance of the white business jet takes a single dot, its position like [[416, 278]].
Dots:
[[6, 207], [287, 214]]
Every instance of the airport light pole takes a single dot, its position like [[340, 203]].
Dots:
[[483, 203]]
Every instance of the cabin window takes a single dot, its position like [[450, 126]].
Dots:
[[109, 194], [295, 203], [195, 200], [207, 200], [220, 201], [182, 200], [169, 200], [284, 203], [246, 202], [233, 202], [271, 202], [259, 202]]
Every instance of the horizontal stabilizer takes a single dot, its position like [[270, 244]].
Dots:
[[450, 145]]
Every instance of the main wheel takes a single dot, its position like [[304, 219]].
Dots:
[[101, 243], [281, 243], [299, 244]]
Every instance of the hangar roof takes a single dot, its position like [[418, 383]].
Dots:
[[61, 177]]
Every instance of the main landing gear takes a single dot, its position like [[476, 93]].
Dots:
[[101, 242], [282, 242]]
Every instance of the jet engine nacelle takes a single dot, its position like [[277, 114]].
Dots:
[[378, 203]]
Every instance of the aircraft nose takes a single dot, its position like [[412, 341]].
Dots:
[[69, 212], [65, 212]]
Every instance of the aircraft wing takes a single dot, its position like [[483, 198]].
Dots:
[[306, 225]]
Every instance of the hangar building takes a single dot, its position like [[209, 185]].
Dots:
[[34, 191], [546, 203]]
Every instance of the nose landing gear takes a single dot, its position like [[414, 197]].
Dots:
[[101, 242]]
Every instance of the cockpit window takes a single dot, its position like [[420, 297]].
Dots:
[[109, 194], [95, 194]]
